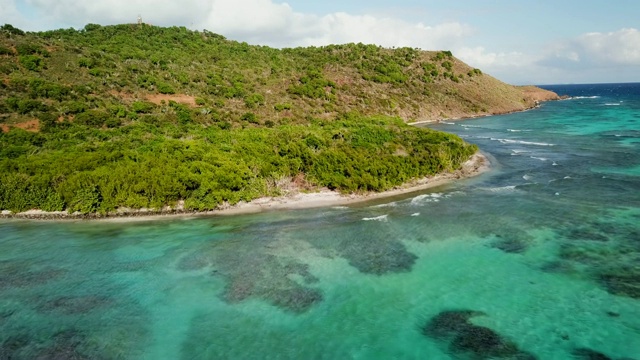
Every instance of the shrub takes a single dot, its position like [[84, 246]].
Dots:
[[164, 88], [254, 100], [9, 29], [250, 117], [142, 107], [5, 51], [86, 62], [31, 62], [95, 118], [282, 107]]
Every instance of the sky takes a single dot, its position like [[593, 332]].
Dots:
[[519, 42]]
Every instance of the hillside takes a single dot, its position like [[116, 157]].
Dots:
[[144, 116]]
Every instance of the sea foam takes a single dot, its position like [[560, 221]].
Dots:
[[377, 218], [522, 142]]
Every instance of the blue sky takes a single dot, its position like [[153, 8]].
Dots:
[[520, 42]]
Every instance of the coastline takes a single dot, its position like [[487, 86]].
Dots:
[[475, 165]]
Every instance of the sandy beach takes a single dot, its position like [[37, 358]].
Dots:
[[476, 165]]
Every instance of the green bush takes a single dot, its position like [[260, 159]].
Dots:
[[282, 107], [95, 118], [250, 117], [142, 107], [31, 62], [164, 88], [9, 29], [254, 100]]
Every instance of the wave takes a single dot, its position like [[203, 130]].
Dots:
[[501, 189], [415, 214], [471, 126], [391, 204], [377, 218], [427, 198], [585, 97], [612, 104], [448, 123], [339, 207], [539, 158], [527, 177], [522, 142], [516, 130]]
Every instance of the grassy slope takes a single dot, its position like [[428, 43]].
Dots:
[[144, 116]]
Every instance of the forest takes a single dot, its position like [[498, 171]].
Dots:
[[130, 116]]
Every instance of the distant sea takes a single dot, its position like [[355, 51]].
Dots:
[[538, 258]]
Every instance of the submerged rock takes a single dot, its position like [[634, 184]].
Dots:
[[268, 277], [454, 330], [512, 246], [17, 275], [12, 346], [72, 305], [624, 282], [63, 345], [448, 323], [588, 354], [379, 257]]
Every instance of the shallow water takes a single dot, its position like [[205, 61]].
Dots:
[[540, 258]]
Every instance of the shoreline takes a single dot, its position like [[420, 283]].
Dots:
[[477, 164], [471, 117]]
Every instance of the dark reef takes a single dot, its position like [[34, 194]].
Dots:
[[464, 339]]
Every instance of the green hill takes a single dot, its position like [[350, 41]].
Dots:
[[142, 116]]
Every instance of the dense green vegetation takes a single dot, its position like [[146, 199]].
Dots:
[[141, 116]]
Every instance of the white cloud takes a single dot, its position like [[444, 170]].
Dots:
[[620, 47], [79, 13], [590, 57], [263, 22]]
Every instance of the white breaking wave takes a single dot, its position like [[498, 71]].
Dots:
[[516, 130], [539, 158], [448, 123], [522, 142], [586, 97], [377, 218], [391, 204], [526, 177], [415, 214], [501, 189], [427, 198], [612, 104]]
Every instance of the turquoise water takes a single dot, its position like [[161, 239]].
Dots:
[[539, 258]]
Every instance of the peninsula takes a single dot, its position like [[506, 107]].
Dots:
[[112, 119]]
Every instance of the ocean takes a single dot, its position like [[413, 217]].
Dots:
[[537, 258]]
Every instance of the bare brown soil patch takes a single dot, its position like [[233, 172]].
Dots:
[[31, 125], [179, 98]]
